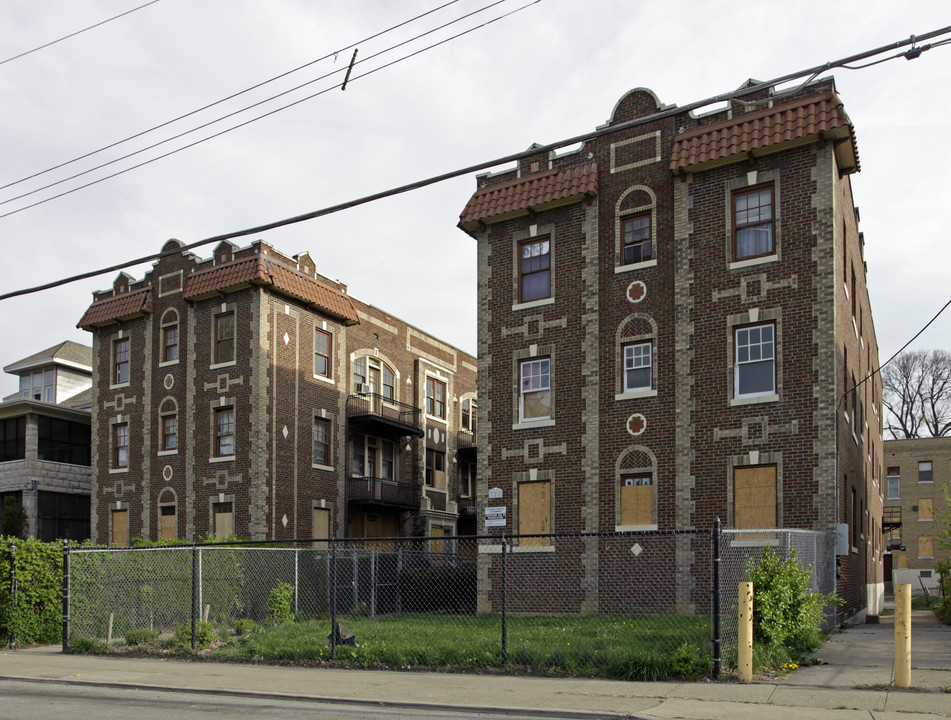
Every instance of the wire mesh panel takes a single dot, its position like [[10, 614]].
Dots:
[[615, 604], [741, 549], [143, 588]]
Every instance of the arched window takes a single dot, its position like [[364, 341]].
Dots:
[[170, 336], [168, 425], [636, 227], [636, 351], [372, 375], [636, 476]]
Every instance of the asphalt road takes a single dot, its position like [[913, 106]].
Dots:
[[45, 700]]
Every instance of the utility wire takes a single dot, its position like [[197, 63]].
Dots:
[[254, 119], [742, 92], [229, 97], [78, 32]]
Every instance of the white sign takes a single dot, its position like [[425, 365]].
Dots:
[[495, 493], [495, 516]]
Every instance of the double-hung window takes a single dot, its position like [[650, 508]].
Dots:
[[924, 471], [637, 367], [894, 484], [120, 361], [321, 441], [534, 270], [636, 233], [753, 223], [435, 398], [170, 432], [224, 338], [535, 390], [322, 346], [224, 432], [120, 446], [755, 363]]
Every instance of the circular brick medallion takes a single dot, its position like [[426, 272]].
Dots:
[[636, 424], [636, 291], [167, 473], [169, 381]]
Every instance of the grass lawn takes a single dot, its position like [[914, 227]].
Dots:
[[634, 648]]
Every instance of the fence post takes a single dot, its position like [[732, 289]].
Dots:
[[505, 639], [373, 573], [194, 590], [65, 595], [13, 594], [717, 638], [744, 644], [903, 635], [296, 578], [333, 598], [201, 585]]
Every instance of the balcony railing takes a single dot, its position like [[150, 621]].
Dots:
[[374, 409], [465, 440], [376, 491]]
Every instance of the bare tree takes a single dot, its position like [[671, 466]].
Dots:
[[916, 393]]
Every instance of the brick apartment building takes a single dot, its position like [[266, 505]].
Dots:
[[248, 394], [669, 319], [917, 471]]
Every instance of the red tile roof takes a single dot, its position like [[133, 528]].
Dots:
[[536, 192], [768, 130], [259, 270], [119, 307], [218, 278]]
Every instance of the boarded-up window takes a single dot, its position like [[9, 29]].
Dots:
[[926, 509], [437, 547], [637, 500], [120, 527], [168, 522], [321, 526], [925, 547], [534, 511], [374, 525], [754, 497], [224, 519]]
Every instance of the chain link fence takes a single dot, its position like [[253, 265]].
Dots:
[[739, 548], [634, 605]]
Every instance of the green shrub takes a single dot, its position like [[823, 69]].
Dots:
[[244, 626], [38, 615], [141, 636], [205, 635], [87, 646], [689, 661], [786, 610], [279, 604]]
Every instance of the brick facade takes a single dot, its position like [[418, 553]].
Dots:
[[680, 450], [262, 432]]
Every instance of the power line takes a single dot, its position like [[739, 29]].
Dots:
[[78, 32], [732, 95], [229, 97], [259, 117]]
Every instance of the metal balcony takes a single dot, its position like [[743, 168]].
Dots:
[[373, 414], [379, 493], [466, 445]]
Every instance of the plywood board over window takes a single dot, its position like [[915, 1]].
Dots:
[[534, 511], [321, 527], [926, 509], [120, 527], [637, 501], [754, 497], [224, 519]]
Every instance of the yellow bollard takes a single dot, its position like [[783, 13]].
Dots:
[[903, 636], [744, 650]]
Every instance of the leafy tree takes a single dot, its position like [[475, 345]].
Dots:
[[14, 520], [916, 393]]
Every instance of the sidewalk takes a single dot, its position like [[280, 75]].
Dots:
[[855, 683]]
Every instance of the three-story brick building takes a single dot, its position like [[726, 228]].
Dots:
[[247, 394], [671, 319]]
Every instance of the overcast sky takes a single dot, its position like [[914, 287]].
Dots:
[[550, 71]]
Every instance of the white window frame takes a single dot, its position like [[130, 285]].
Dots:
[[633, 354], [738, 364], [542, 376]]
